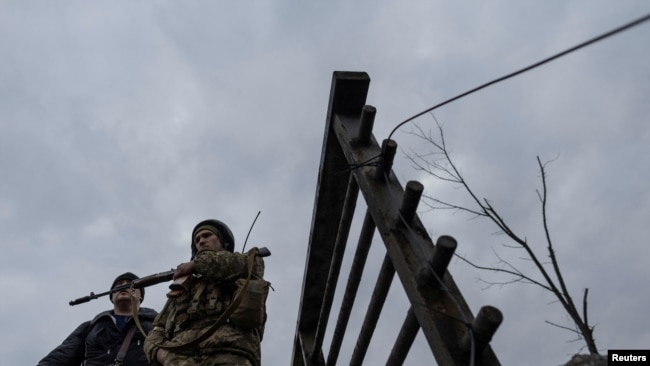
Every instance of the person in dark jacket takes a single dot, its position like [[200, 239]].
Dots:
[[99, 341]]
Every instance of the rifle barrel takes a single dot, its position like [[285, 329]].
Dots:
[[84, 299], [139, 283]]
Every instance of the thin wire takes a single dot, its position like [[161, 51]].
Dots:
[[528, 68], [368, 162], [249, 231]]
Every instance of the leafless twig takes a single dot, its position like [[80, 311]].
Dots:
[[439, 164]]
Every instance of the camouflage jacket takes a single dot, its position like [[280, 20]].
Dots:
[[210, 292]]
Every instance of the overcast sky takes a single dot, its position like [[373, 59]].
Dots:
[[123, 124]]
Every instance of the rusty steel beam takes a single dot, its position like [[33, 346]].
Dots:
[[351, 153], [350, 294], [405, 339], [345, 222], [377, 300], [437, 308], [347, 97]]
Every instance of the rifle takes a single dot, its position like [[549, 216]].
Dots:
[[139, 283], [150, 280]]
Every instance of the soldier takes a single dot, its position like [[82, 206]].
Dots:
[[192, 329], [111, 337]]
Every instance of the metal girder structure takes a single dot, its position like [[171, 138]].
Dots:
[[353, 161]]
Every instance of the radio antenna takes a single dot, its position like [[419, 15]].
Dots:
[[249, 231]]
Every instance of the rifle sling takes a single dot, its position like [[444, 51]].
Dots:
[[121, 354], [136, 313]]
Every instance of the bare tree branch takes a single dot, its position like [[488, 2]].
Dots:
[[444, 169], [563, 327], [513, 271]]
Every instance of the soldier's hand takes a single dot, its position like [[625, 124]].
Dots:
[[184, 269], [161, 355]]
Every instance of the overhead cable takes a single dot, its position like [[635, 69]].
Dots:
[[528, 68]]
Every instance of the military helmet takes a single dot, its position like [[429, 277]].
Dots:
[[225, 235]]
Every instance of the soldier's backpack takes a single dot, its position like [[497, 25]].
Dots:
[[251, 312], [251, 294]]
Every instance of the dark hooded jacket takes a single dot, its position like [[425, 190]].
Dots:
[[97, 342]]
